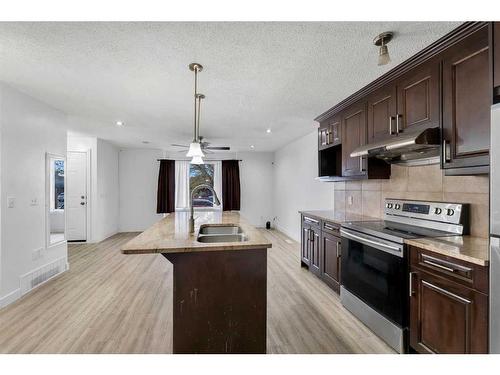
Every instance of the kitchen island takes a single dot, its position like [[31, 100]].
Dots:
[[219, 288]]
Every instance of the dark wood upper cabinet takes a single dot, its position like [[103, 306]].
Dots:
[[411, 102], [418, 98], [466, 103], [329, 133], [496, 60], [354, 126], [450, 84], [382, 112]]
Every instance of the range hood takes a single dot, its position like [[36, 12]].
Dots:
[[413, 147]]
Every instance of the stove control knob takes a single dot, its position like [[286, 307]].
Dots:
[[438, 211], [397, 206], [450, 212], [389, 205]]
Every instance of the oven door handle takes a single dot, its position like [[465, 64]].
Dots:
[[396, 250]]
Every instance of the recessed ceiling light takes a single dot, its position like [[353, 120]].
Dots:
[[119, 123], [252, 147], [268, 131]]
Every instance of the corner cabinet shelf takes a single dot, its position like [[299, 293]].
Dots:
[[448, 85]]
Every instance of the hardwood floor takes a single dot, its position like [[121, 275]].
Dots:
[[113, 303]]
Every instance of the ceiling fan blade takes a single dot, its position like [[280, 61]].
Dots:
[[218, 148], [176, 145]]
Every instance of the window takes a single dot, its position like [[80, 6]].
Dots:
[[202, 174], [57, 185]]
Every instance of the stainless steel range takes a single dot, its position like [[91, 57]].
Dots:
[[375, 274]]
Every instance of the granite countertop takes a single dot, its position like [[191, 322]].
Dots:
[[338, 217], [468, 248], [171, 235]]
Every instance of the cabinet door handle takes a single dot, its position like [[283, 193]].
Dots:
[[397, 124], [444, 291], [361, 169], [446, 154], [338, 249], [390, 125], [410, 284], [310, 220], [329, 227], [447, 266]]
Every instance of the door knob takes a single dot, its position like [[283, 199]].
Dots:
[[83, 197], [82, 203]]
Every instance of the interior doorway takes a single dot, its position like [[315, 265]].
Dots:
[[77, 195]]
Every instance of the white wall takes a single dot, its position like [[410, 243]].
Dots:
[[139, 181], [256, 179], [29, 129], [108, 191], [295, 187], [138, 171]]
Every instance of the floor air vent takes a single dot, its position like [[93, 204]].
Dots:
[[40, 275]]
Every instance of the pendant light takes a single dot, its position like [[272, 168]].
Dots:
[[381, 40], [195, 150], [197, 160]]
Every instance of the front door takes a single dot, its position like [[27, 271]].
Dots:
[[76, 200]]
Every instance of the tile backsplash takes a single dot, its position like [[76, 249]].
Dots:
[[424, 183]]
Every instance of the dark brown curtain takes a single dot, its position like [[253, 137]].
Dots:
[[166, 187], [230, 185]]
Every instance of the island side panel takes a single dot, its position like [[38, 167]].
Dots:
[[219, 301]]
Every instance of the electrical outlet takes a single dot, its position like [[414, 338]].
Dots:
[[11, 202], [34, 202]]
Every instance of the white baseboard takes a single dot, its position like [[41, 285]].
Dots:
[[9, 298], [288, 233]]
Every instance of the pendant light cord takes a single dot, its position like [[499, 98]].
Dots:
[[195, 94]]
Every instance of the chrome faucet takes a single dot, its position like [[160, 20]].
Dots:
[[216, 201]]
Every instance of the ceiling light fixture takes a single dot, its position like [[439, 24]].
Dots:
[[268, 131], [195, 146], [252, 147], [381, 41], [119, 123]]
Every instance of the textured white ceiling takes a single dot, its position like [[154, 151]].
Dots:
[[257, 75]]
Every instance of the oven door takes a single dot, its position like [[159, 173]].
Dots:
[[376, 271]]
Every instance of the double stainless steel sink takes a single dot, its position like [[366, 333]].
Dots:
[[221, 233]]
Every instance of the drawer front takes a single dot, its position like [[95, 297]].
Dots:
[[464, 273], [311, 221], [331, 228]]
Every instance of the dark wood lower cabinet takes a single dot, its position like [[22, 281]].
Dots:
[[446, 317], [304, 244], [315, 251], [330, 260], [320, 250]]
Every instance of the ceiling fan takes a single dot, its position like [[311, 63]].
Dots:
[[205, 146]]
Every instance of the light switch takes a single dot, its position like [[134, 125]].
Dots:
[[11, 202], [349, 200]]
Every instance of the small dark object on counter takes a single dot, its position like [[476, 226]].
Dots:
[[268, 225]]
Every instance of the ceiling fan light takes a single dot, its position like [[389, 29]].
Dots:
[[197, 160], [195, 150], [383, 56]]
